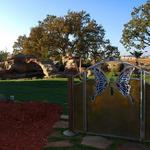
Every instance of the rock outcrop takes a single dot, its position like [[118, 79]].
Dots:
[[23, 66]]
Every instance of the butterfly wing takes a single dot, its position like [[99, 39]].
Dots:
[[122, 82], [101, 81]]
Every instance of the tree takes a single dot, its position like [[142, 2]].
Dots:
[[73, 34], [3, 55], [56, 35], [137, 55], [19, 44], [35, 43], [87, 37], [136, 33], [111, 52]]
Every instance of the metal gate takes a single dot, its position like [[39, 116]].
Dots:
[[114, 100]]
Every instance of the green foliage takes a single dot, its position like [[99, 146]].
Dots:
[[3, 56], [111, 51], [73, 34], [136, 33], [19, 44], [137, 54]]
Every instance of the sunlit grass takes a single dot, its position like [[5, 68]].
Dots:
[[50, 90]]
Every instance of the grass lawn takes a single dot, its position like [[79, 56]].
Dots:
[[49, 90], [76, 141]]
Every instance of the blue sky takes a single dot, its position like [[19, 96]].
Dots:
[[18, 16]]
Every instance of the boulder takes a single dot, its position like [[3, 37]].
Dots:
[[51, 69], [23, 66]]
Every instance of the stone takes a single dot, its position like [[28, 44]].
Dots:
[[96, 142], [61, 124], [23, 66], [132, 146], [63, 143], [64, 117], [69, 133], [51, 68]]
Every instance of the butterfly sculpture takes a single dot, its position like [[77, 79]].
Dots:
[[101, 81], [122, 82]]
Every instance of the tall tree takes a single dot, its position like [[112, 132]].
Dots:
[[136, 33], [35, 43], [19, 44], [73, 34], [111, 52], [86, 35], [3, 55], [137, 55], [56, 35]]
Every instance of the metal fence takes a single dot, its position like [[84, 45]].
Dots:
[[114, 101]]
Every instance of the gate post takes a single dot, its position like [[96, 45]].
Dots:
[[70, 131], [84, 102], [70, 102], [142, 107]]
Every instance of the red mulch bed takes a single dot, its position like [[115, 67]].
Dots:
[[26, 126]]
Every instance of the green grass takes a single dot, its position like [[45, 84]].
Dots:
[[50, 90], [53, 91], [75, 141]]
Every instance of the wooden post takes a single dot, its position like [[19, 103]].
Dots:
[[70, 101], [70, 131]]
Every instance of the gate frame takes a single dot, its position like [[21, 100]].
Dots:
[[84, 79]]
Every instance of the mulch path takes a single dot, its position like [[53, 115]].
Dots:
[[26, 126]]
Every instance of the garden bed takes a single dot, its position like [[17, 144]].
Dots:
[[26, 126]]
